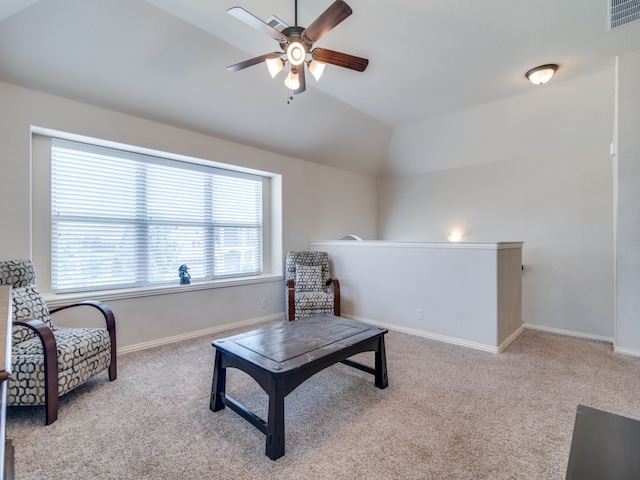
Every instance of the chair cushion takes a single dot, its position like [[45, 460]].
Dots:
[[74, 345], [308, 278], [314, 301], [82, 354], [28, 304]]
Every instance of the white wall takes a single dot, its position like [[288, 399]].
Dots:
[[317, 201], [533, 168], [417, 287], [628, 205]]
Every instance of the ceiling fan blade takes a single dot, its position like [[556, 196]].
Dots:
[[331, 17], [253, 21], [340, 59], [303, 82], [252, 61]]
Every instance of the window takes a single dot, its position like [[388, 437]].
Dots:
[[122, 219]]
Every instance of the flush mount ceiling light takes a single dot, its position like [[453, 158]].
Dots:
[[542, 74], [297, 46]]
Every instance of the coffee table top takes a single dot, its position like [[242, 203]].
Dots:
[[283, 347], [604, 445]]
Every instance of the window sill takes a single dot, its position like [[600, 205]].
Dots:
[[54, 300]]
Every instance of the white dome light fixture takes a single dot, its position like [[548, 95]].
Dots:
[[542, 74]]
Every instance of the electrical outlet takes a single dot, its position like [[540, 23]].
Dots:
[[419, 313], [263, 304]]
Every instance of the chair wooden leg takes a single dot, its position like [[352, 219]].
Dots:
[[113, 366], [50, 351], [51, 406], [50, 389]]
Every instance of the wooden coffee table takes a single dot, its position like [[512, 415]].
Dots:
[[604, 446], [283, 356]]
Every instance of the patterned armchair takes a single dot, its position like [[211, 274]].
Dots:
[[310, 288], [48, 361]]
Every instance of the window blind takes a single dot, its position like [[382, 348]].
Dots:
[[123, 219]]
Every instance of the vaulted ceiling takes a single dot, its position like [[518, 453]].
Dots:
[[166, 59]]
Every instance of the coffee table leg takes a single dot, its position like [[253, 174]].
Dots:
[[275, 421], [381, 380], [218, 385]]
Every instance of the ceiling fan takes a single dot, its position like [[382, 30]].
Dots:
[[297, 46]]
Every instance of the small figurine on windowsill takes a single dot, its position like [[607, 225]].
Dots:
[[185, 278]]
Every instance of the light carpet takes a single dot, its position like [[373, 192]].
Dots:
[[449, 413]]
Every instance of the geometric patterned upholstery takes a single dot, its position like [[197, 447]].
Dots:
[[48, 361], [27, 304], [310, 288], [82, 352]]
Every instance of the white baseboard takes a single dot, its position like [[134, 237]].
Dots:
[[410, 331], [570, 333], [511, 338], [626, 351], [198, 333], [440, 338]]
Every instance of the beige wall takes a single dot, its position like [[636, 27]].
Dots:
[[628, 205], [533, 168], [318, 201]]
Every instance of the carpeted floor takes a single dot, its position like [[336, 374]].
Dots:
[[449, 413]]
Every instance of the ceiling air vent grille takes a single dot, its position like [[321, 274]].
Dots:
[[279, 25], [623, 12]]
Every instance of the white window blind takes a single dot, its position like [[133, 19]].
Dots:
[[125, 220]]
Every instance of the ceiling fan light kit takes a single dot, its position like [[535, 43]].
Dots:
[[316, 69], [293, 80], [296, 53], [274, 65], [542, 74], [297, 46]]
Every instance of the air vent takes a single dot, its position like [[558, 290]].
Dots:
[[623, 12], [278, 24]]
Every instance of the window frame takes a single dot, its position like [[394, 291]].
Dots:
[[41, 221]]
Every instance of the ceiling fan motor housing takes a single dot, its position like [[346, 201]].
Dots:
[[294, 36]]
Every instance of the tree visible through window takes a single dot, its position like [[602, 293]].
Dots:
[[124, 220]]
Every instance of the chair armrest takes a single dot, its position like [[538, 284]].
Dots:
[[110, 321], [291, 299], [335, 285], [49, 348], [106, 311], [43, 331]]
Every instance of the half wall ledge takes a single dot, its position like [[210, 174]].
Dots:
[[466, 293]]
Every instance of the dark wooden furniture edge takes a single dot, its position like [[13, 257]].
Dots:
[[286, 382], [603, 445], [291, 299], [7, 454]]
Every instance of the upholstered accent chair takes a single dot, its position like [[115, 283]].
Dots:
[[48, 361], [310, 288]]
